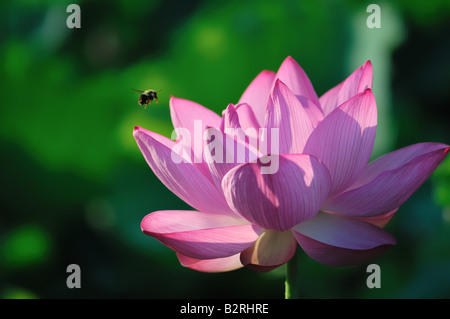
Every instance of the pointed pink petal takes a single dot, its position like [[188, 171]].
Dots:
[[211, 265], [281, 199], [402, 176], [290, 117], [344, 139], [340, 241], [394, 160], [200, 235], [217, 162], [247, 117], [257, 95], [357, 82], [379, 220], [223, 152], [193, 118], [239, 121], [181, 177], [184, 113], [271, 250], [291, 74], [230, 118]]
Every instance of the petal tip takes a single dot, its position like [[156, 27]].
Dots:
[[275, 87], [368, 91], [174, 99], [278, 85], [136, 130], [367, 94], [230, 106], [267, 73], [290, 60], [144, 224]]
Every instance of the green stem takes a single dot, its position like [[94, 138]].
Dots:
[[292, 283]]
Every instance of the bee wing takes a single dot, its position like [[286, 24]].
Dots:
[[139, 91]]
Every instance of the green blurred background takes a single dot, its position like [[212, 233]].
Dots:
[[75, 185]]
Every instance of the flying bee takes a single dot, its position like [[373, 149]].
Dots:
[[147, 97]]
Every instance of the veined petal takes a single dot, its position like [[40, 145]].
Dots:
[[211, 265], [281, 199], [395, 160], [379, 220], [243, 124], [357, 82], [257, 94], [190, 120], [225, 151], [247, 117], [314, 112], [344, 139], [200, 235], [286, 113], [237, 122], [230, 118], [393, 186], [341, 241], [291, 74], [178, 175], [271, 250], [184, 113]]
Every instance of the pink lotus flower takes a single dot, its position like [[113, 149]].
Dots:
[[323, 196]]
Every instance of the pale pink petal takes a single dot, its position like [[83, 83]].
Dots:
[[393, 186], [200, 235], [271, 250], [223, 152], [357, 82], [291, 74], [257, 94], [190, 120], [314, 112], [394, 160], [380, 220], [239, 122], [290, 117], [184, 113], [230, 118], [211, 265], [344, 139], [340, 241], [219, 160], [181, 177], [247, 117], [281, 199]]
